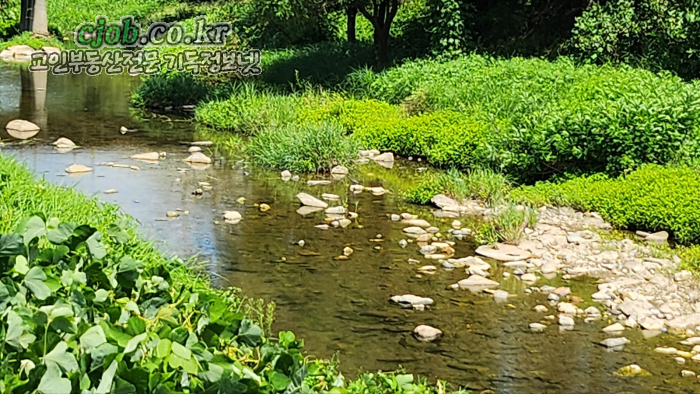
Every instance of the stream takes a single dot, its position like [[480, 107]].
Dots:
[[337, 306]]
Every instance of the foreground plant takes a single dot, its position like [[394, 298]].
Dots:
[[79, 317]]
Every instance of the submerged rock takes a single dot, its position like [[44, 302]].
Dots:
[[150, 156], [318, 182], [78, 169], [614, 343], [417, 222], [194, 149], [426, 333], [286, 175], [476, 281], [410, 300], [64, 143], [311, 201], [537, 327], [198, 157], [339, 170], [232, 217], [631, 370]]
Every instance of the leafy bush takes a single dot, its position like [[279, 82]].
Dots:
[[80, 316], [543, 118], [26, 38], [652, 198], [656, 34], [303, 148]]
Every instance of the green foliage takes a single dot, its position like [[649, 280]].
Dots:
[[547, 118], [652, 198], [482, 184], [655, 34], [26, 38], [169, 89], [448, 26], [81, 315], [302, 148]]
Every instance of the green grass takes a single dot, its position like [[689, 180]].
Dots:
[[481, 184], [27, 39]]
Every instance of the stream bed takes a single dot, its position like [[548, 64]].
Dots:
[[337, 306]]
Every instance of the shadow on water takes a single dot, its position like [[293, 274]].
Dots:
[[338, 306]]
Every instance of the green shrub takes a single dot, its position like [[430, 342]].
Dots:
[[26, 38], [652, 198], [302, 148], [169, 89]]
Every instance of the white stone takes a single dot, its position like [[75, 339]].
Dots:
[[311, 201]]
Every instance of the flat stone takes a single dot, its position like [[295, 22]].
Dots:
[[339, 170], [385, 157], [562, 291], [232, 216], [426, 333], [409, 300], [311, 201], [476, 281], [201, 143], [338, 210], [78, 169], [285, 175], [612, 343], [651, 323], [110, 191], [684, 322], [537, 327], [330, 197], [443, 202], [660, 236], [614, 328], [22, 129], [566, 320], [503, 252], [566, 308], [529, 278], [49, 50], [414, 230], [305, 210], [198, 157], [541, 309], [64, 143], [318, 182], [417, 223], [150, 156]]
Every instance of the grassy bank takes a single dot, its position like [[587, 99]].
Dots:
[[91, 306]]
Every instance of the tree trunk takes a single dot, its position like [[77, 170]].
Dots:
[[381, 42], [40, 22], [25, 18], [352, 17]]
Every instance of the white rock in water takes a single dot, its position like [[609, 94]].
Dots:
[[78, 169], [344, 222], [614, 328], [22, 129], [339, 210], [286, 175], [615, 342], [198, 157], [318, 182], [232, 216], [64, 143], [110, 191], [194, 149], [503, 252], [414, 230], [537, 327], [403, 243], [356, 188], [201, 143], [408, 300], [150, 156], [529, 278], [442, 201], [566, 320], [311, 201], [476, 281], [339, 170], [426, 333], [330, 197], [666, 350], [417, 222], [385, 157]]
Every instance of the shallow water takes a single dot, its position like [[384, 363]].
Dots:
[[337, 306]]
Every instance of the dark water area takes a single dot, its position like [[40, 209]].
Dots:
[[338, 306]]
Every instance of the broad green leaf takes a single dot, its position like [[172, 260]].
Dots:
[[26, 366], [188, 365], [402, 380], [135, 325], [249, 333], [53, 223], [95, 245], [181, 351], [33, 228], [107, 378], [163, 348], [100, 353], [59, 356], [34, 281], [134, 343], [213, 375], [115, 232], [278, 380], [53, 383], [101, 295], [60, 234], [69, 277], [92, 338], [11, 244], [16, 328], [4, 296], [21, 265]]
